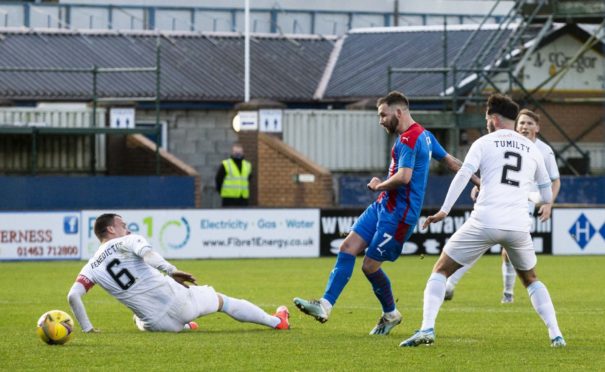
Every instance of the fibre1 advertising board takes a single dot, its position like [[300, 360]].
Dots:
[[228, 233], [579, 231], [40, 236]]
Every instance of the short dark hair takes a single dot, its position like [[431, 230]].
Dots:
[[531, 114], [102, 223], [393, 98], [502, 105]]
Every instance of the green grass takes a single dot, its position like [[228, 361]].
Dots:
[[474, 331]]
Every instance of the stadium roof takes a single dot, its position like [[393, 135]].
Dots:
[[194, 67], [362, 64], [209, 67]]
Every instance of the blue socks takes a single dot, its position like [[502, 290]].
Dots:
[[382, 289], [339, 277]]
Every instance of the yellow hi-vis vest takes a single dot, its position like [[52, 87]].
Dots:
[[235, 184]]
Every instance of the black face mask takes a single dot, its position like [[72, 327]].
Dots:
[[237, 156]]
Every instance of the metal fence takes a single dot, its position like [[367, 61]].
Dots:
[[52, 153]]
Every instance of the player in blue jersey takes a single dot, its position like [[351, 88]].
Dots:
[[388, 222]]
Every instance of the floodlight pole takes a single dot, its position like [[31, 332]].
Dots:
[[247, 51]]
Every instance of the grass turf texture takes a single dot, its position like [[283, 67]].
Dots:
[[474, 331]]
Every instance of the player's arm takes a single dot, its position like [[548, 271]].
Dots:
[[154, 259], [546, 209], [467, 170], [453, 164], [74, 297], [141, 247], [543, 181], [453, 193], [402, 177], [556, 187], [544, 187]]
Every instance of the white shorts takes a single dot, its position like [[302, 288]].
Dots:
[[189, 304], [470, 242]]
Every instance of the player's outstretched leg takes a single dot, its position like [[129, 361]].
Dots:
[[319, 309], [508, 279], [387, 322], [433, 299], [420, 337], [245, 311], [138, 322], [339, 277], [542, 303], [558, 342], [191, 326], [453, 280], [382, 289], [284, 315], [141, 326]]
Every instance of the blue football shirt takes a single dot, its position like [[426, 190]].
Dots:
[[413, 149]]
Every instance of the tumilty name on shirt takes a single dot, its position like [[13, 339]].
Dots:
[[106, 253], [511, 144]]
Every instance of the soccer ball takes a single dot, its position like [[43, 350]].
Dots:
[[55, 327]]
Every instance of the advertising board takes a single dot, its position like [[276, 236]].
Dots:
[[40, 236]]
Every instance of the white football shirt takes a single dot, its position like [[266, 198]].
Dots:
[[553, 172], [509, 166], [118, 267], [549, 159]]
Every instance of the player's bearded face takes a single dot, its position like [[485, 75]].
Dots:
[[391, 124], [388, 118]]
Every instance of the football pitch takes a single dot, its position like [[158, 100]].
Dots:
[[474, 331]]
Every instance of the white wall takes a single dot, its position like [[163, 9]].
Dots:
[[407, 6]]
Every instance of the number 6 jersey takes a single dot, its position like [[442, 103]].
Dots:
[[118, 267], [509, 165]]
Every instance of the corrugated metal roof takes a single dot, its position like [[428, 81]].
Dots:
[[210, 66], [195, 67], [361, 68]]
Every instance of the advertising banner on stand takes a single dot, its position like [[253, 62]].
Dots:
[[226, 233], [336, 224], [579, 231], [40, 236]]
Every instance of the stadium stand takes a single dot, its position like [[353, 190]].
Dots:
[[201, 81]]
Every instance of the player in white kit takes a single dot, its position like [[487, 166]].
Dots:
[[528, 124], [129, 270], [509, 165]]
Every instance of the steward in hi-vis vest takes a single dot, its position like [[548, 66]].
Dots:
[[233, 178]]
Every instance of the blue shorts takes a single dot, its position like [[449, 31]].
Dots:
[[384, 233]]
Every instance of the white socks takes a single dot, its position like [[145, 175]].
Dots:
[[457, 275], [326, 305], [508, 277], [433, 298], [245, 311], [540, 299]]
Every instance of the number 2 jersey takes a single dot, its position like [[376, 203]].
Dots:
[[509, 165], [118, 267]]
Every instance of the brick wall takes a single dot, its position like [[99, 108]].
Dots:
[[575, 119], [249, 141], [278, 165], [202, 139]]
